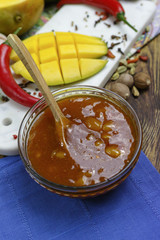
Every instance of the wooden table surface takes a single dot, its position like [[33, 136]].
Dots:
[[147, 105]]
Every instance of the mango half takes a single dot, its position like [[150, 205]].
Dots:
[[63, 57], [19, 13]]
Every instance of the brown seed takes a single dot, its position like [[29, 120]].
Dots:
[[126, 79], [142, 80], [108, 86], [121, 89]]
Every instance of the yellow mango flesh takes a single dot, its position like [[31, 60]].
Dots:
[[63, 57], [63, 38], [48, 55], [90, 66], [90, 51], [31, 45], [83, 39], [70, 70], [67, 51], [51, 71], [19, 68], [46, 40]]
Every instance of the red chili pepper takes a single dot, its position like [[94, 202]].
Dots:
[[132, 60], [112, 7], [110, 54], [144, 58], [8, 83]]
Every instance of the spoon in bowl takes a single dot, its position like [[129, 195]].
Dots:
[[72, 136]]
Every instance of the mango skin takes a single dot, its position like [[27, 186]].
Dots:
[[23, 14]]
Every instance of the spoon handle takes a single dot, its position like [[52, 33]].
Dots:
[[32, 68]]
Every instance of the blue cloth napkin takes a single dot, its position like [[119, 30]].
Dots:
[[28, 211]]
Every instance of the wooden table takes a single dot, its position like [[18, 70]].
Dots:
[[147, 105]]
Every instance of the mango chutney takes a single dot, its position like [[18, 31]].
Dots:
[[95, 155]]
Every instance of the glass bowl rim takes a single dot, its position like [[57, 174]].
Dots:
[[107, 182]]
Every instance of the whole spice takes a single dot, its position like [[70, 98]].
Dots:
[[135, 92], [126, 79], [97, 21], [130, 65], [121, 89], [132, 70], [120, 51], [115, 37], [108, 25], [115, 76], [142, 80], [3, 98], [122, 62], [8, 83], [112, 7], [114, 44], [121, 69]]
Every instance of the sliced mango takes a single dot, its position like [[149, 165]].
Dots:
[[90, 51], [67, 51], [45, 34], [31, 45], [46, 40], [63, 57], [70, 70], [48, 55], [64, 38], [89, 67], [51, 71], [19, 68], [84, 39]]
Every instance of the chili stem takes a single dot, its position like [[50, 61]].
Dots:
[[121, 17], [16, 32]]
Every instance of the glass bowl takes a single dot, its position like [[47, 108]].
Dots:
[[83, 191]]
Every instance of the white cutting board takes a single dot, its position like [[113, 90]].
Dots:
[[138, 13]]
